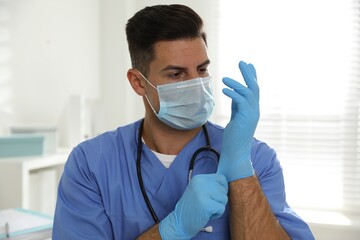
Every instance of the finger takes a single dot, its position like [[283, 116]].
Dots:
[[237, 87], [219, 195], [249, 74], [217, 182], [252, 68], [216, 187], [231, 83], [243, 102], [236, 97], [216, 209], [221, 179]]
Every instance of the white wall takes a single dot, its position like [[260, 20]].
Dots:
[[64, 48], [117, 103], [334, 232], [54, 54]]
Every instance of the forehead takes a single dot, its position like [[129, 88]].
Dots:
[[185, 53]]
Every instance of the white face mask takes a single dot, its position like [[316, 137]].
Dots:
[[186, 104]]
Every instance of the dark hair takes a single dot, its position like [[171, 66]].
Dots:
[[160, 23]]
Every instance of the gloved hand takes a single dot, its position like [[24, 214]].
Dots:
[[235, 159], [204, 198]]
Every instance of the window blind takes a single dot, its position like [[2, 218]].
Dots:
[[307, 58], [5, 70]]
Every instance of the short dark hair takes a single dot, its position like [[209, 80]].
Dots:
[[160, 23]]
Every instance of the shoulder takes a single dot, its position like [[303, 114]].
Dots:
[[262, 149], [106, 147], [110, 139], [264, 158]]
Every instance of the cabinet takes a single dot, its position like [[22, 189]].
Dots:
[[31, 182]]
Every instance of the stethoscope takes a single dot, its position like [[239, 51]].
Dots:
[[191, 165]]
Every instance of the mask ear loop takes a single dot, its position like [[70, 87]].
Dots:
[[150, 104], [145, 94], [146, 79]]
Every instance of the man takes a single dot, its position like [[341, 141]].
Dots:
[[135, 182]]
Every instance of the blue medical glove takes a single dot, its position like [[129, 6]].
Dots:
[[204, 198], [235, 159]]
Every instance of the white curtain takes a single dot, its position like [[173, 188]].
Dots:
[[307, 57]]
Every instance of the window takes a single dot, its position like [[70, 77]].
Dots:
[[307, 58], [5, 69]]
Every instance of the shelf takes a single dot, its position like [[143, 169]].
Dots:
[[31, 182]]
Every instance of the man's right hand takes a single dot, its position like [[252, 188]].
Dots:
[[204, 198]]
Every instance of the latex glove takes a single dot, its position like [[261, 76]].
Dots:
[[204, 198], [235, 159]]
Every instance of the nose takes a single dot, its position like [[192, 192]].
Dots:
[[193, 74]]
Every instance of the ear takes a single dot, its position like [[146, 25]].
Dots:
[[136, 81]]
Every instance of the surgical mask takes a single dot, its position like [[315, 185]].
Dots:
[[186, 104]]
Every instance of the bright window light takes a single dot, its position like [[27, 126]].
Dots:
[[305, 55]]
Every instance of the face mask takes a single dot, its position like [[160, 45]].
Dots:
[[186, 104]]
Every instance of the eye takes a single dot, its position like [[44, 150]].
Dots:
[[175, 75], [203, 71]]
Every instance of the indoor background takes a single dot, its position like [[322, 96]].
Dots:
[[63, 67]]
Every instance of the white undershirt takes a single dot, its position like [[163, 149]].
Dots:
[[165, 159]]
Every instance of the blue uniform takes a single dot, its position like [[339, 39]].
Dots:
[[99, 195]]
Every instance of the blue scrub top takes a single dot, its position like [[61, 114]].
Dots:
[[99, 195]]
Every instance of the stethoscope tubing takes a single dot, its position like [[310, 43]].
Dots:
[[140, 180], [191, 166]]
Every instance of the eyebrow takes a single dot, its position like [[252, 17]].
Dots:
[[174, 67]]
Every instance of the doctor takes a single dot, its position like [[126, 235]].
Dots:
[[174, 175]]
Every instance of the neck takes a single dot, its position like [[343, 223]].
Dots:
[[164, 139]]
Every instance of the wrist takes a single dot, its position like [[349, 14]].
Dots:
[[242, 168], [169, 229]]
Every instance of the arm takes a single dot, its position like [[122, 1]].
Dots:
[[250, 214], [151, 234], [79, 210]]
